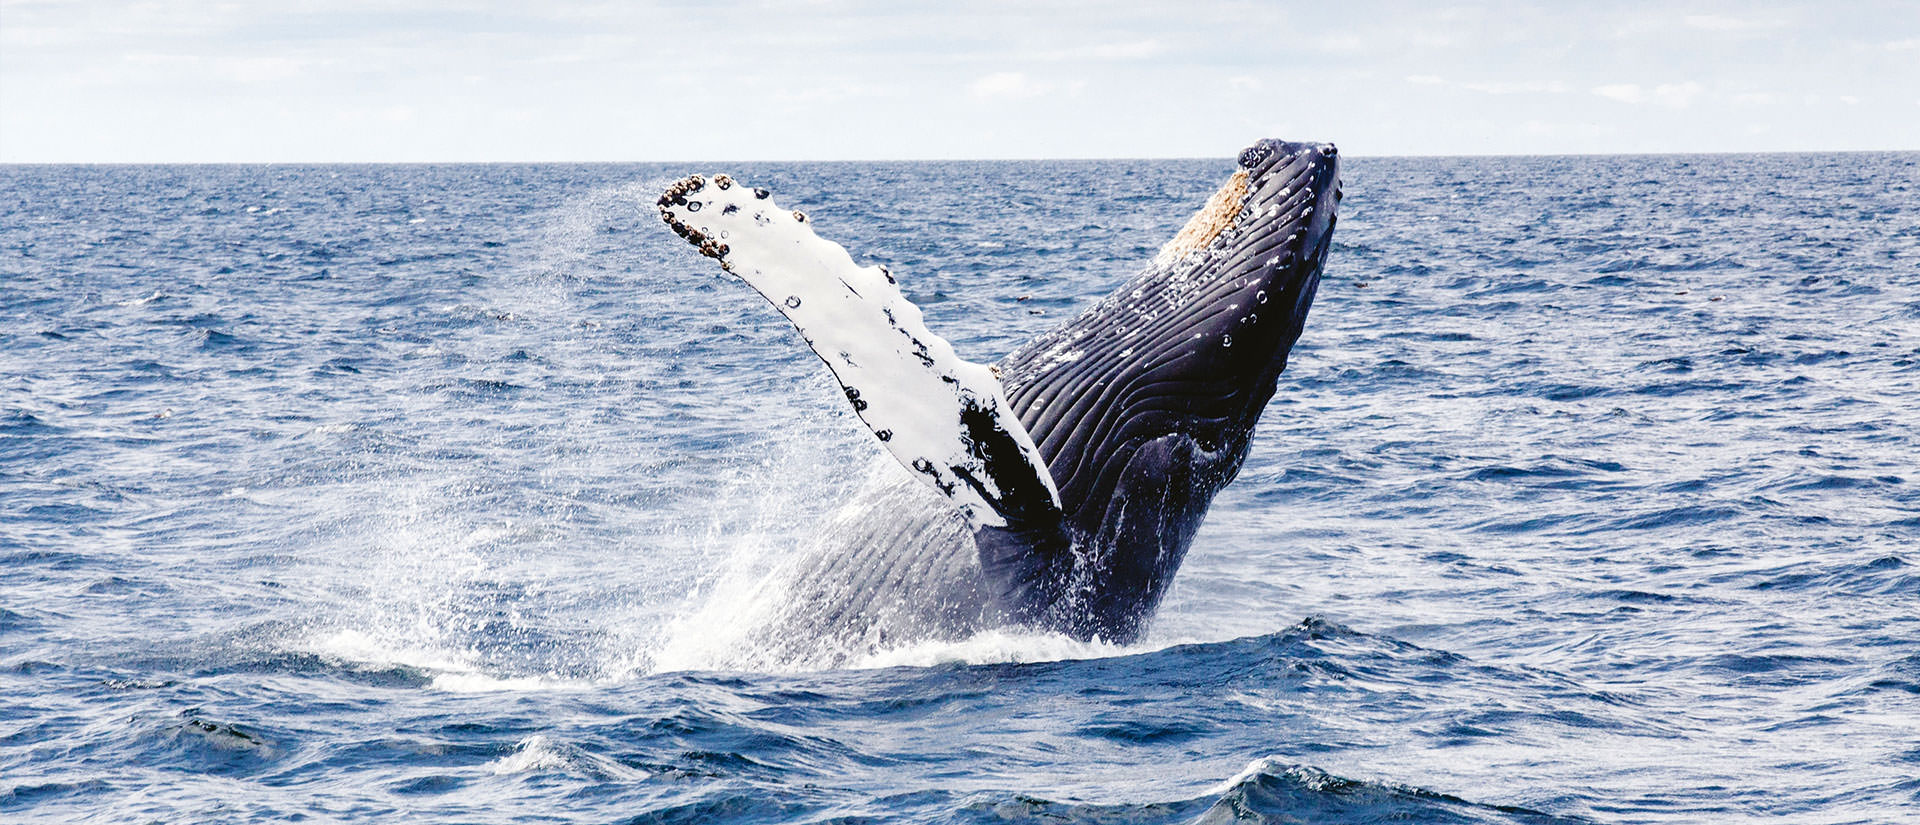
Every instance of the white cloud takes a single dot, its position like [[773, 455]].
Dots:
[[1492, 88], [1723, 23], [1340, 44], [1669, 95], [1135, 50], [1623, 92], [1244, 83], [1008, 86], [835, 92], [1525, 87], [1676, 95]]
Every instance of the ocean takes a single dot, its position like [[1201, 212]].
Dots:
[[411, 493]]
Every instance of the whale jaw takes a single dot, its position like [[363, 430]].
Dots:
[[1143, 407]]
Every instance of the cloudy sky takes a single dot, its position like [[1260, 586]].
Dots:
[[341, 80]]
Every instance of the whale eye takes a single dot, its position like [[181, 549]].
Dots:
[[793, 302]]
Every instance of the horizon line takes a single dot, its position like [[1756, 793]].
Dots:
[[1436, 155]]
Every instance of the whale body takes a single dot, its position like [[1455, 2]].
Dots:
[[1059, 489]]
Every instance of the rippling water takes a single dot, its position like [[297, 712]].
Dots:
[[404, 492]]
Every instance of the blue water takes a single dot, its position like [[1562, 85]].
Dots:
[[1592, 493]]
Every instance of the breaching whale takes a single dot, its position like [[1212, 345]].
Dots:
[[1074, 472]]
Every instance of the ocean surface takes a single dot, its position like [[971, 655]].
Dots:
[[405, 493]]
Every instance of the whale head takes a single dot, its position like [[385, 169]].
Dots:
[[1143, 406]]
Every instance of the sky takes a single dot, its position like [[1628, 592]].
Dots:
[[557, 80]]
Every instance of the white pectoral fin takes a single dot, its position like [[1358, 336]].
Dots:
[[944, 418]]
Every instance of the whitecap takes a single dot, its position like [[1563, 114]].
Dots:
[[993, 647]]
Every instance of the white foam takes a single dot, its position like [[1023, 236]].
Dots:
[[540, 753], [134, 302], [534, 753], [1263, 765], [474, 681], [758, 527], [1007, 646], [357, 647], [452, 671], [715, 633]]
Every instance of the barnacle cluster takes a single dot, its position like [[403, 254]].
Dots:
[[676, 196], [1210, 221], [675, 202]]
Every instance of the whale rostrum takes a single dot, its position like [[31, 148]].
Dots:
[[1076, 471]]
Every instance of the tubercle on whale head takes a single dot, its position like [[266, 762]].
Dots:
[[1293, 193], [1239, 302]]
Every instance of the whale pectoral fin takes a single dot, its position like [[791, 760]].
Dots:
[[942, 417]]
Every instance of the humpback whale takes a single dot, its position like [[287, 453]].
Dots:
[[1059, 489]]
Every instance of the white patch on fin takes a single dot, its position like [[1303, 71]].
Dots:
[[944, 418]]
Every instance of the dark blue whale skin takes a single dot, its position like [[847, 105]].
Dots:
[[1142, 407]]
